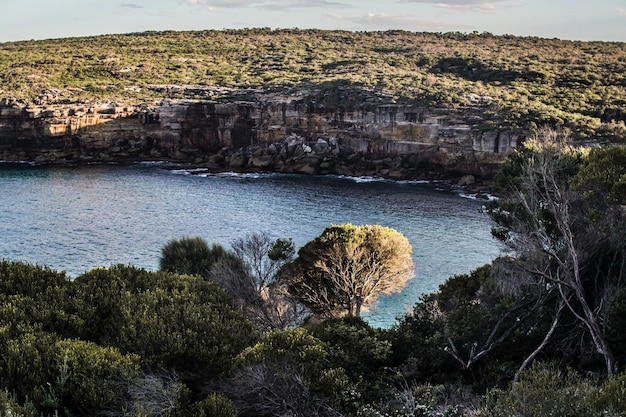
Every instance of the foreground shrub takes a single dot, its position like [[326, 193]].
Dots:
[[611, 397], [544, 390], [215, 405], [32, 295], [90, 376], [9, 406], [355, 346], [285, 374], [172, 321], [61, 376]]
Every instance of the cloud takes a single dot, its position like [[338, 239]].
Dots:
[[276, 5], [472, 5], [286, 5], [334, 16], [132, 5], [383, 21], [222, 4], [622, 12]]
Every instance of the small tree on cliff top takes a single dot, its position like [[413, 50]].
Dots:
[[347, 267]]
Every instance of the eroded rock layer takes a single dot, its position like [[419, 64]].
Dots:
[[257, 132]]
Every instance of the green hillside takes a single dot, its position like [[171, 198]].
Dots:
[[525, 82]]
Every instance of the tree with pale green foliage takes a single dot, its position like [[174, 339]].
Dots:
[[348, 267]]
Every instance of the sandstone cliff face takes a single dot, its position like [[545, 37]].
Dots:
[[288, 134]]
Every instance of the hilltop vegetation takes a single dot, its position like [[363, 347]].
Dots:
[[525, 82]]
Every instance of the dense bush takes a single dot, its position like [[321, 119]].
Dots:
[[363, 352], [58, 375], [191, 256], [544, 390], [469, 330], [172, 321], [611, 397], [72, 346], [286, 372]]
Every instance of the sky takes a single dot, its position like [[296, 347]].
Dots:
[[564, 19]]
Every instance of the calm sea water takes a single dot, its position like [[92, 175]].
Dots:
[[75, 219]]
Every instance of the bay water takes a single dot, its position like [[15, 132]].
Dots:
[[78, 218]]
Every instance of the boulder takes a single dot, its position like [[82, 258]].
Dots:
[[467, 180], [307, 165], [237, 160], [262, 161]]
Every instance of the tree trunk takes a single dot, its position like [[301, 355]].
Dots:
[[543, 343]]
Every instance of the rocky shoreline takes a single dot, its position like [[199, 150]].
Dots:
[[257, 131]]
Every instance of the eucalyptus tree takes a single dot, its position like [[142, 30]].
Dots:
[[348, 267], [564, 240], [251, 281]]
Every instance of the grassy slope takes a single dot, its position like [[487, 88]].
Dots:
[[532, 81]]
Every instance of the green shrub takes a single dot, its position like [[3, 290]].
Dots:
[[9, 407], [215, 405], [90, 376], [57, 375], [544, 390], [28, 365], [18, 278], [169, 320], [191, 256], [360, 350], [611, 397], [286, 372], [34, 295]]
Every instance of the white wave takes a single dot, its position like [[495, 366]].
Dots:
[[30, 163], [155, 163], [478, 196], [187, 171], [370, 179]]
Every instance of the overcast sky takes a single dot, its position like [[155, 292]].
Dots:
[[564, 19]]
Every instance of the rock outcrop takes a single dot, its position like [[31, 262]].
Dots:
[[259, 131]]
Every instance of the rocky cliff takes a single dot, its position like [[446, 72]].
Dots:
[[303, 132]]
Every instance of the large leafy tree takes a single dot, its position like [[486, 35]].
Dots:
[[347, 267]]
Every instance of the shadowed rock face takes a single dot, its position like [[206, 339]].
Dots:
[[277, 133]]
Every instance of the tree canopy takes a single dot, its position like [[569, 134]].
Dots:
[[347, 267]]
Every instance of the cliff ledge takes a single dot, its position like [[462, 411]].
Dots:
[[348, 132]]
